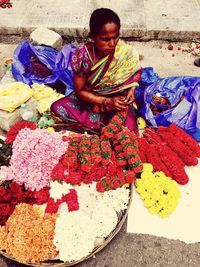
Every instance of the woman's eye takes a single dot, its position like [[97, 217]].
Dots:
[[108, 39]]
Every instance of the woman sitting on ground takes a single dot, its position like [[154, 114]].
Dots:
[[106, 73]]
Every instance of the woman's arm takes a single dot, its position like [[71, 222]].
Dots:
[[79, 87], [109, 103]]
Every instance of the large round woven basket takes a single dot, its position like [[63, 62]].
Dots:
[[58, 263]]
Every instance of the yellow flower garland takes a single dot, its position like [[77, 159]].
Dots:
[[159, 192]]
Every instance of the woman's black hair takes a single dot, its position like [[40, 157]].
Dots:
[[100, 17]]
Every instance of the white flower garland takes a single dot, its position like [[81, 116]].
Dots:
[[117, 199], [87, 197], [74, 236], [105, 219]]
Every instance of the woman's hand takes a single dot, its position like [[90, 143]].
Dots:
[[130, 98], [115, 103]]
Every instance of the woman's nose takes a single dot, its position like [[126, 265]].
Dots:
[[112, 43]]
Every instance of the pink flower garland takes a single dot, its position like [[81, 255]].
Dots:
[[35, 153]]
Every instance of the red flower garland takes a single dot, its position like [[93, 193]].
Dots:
[[114, 126], [185, 138], [70, 158], [166, 153], [182, 150]]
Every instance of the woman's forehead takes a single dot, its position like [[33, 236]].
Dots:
[[109, 28]]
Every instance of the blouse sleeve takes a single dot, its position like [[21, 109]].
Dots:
[[80, 62]]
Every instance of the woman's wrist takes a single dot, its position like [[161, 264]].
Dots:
[[106, 103]]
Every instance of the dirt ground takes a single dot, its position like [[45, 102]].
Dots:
[[153, 54]]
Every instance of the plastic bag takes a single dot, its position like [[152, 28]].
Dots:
[[64, 69], [173, 100], [12, 95], [22, 68], [43, 65], [147, 78]]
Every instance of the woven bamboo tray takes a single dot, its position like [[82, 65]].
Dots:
[[58, 263]]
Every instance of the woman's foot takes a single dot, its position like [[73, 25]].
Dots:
[[197, 62]]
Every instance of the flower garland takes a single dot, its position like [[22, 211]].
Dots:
[[106, 152], [185, 139], [129, 145], [182, 150], [96, 150], [85, 154], [24, 226], [150, 154], [159, 192], [104, 224], [114, 126], [70, 158], [173, 163], [117, 199], [115, 177], [74, 237], [169, 153]]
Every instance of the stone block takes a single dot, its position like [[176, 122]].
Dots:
[[44, 36]]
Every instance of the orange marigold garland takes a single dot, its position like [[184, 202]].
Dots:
[[29, 237]]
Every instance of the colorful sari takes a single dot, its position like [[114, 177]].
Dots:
[[113, 74]]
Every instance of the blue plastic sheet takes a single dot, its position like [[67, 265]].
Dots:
[[183, 97], [58, 62]]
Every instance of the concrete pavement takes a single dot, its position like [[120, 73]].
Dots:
[[175, 20]]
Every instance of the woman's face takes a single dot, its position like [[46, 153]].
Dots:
[[106, 40]]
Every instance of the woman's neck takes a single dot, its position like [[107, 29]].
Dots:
[[98, 54]]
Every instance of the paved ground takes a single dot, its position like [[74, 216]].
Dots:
[[131, 250], [142, 19]]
